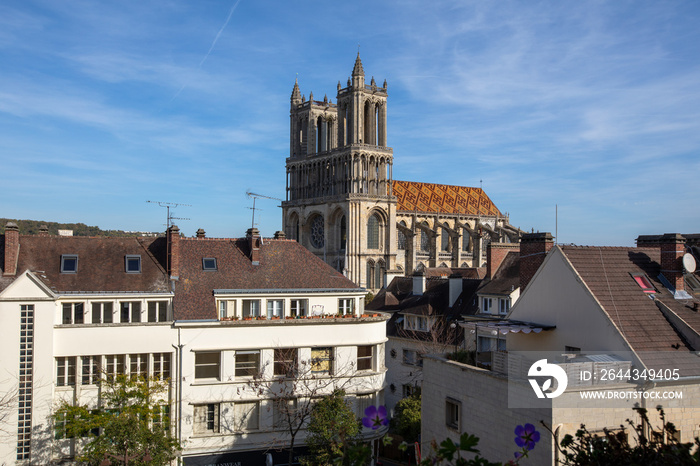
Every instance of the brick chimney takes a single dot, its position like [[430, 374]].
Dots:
[[672, 247], [418, 283], [280, 235], [11, 249], [253, 236], [533, 250], [201, 233], [43, 230], [173, 236], [495, 255]]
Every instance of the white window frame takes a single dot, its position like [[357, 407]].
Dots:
[[246, 416], [244, 370], [299, 307], [486, 305], [161, 366], [76, 312], [253, 308], [66, 371], [161, 314], [503, 306], [132, 311], [275, 308], [453, 412], [103, 310], [346, 306], [90, 370], [206, 366], [207, 419], [320, 356], [361, 360]]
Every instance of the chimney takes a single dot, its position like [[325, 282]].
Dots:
[[455, 288], [173, 237], [201, 233], [43, 230], [495, 254], [11, 249], [533, 250], [253, 236], [418, 283], [672, 247], [280, 235]]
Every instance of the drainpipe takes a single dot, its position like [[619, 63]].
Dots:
[[178, 389]]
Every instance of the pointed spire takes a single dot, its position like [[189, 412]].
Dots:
[[325, 99], [373, 82], [311, 97], [357, 70], [385, 84], [296, 95]]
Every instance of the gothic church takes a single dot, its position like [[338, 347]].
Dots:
[[343, 204]]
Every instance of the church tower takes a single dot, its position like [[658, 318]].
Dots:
[[339, 202]]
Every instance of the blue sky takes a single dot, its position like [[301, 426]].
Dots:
[[592, 106]]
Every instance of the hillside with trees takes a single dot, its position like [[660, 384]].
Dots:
[[31, 227]]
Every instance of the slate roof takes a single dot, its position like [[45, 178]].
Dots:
[[606, 272], [284, 265], [429, 197], [101, 263], [507, 277]]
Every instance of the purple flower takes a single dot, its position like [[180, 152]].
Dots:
[[526, 437], [375, 417]]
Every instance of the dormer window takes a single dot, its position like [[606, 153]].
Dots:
[[643, 282], [133, 264], [209, 263], [69, 263]]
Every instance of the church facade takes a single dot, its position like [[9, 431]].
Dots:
[[343, 204]]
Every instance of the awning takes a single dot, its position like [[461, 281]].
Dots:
[[507, 327]]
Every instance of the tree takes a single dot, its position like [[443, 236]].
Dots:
[[131, 426], [332, 426], [295, 387], [407, 417]]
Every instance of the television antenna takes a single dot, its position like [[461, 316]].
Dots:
[[255, 198], [168, 206]]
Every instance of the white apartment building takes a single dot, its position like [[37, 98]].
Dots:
[[216, 317]]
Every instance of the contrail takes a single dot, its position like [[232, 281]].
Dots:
[[218, 34]]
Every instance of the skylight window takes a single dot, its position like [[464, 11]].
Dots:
[[133, 264], [209, 263], [644, 283], [69, 263]]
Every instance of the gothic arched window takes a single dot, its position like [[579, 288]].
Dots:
[[373, 232], [444, 239], [343, 232], [424, 241], [465, 240], [379, 270], [401, 237], [370, 274]]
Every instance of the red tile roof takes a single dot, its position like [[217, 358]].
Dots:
[[284, 265], [428, 197]]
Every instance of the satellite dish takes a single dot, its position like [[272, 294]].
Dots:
[[689, 263]]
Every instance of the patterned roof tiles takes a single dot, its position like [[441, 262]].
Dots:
[[430, 197]]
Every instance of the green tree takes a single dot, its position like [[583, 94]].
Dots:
[[132, 425], [332, 427], [406, 420]]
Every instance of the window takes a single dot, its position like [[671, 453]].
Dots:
[[465, 240], [322, 361], [373, 232], [133, 264], [157, 311], [486, 344], [346, 306], [69, 263], [91, 370], [365, 357], [298, 307], [417, 323], [644, 283], [246, 416], [207, 365], [408, 390], [486, 305], [73, 313], [138, 366], [161, 417], [247, 363], [102, 313], [65, 372], [130, 311], [364, 402], [452, 412], [285, 361], [444, 239], [161, 366], [412, 358], [283, 411], [275, 308], [503, 306], [401, 237], [209, 263], [251, 307], [424, 240], [115, 364], [317, 232], [572, 349], [206, 419]]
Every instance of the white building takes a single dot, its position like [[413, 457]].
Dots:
[[214, 316]]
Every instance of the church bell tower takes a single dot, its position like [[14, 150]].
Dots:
[[339, 202]]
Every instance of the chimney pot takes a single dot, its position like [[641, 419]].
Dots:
[[201, 233], [280, 235], [253, 236], [173, 237], [44, 230]]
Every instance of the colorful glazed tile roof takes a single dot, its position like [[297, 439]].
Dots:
[[429, 197]]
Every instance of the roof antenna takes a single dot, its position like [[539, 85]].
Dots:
[[256, 197], [169, 205]]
